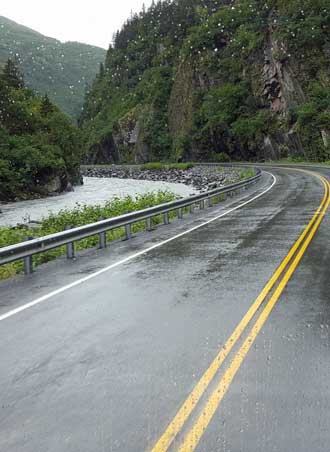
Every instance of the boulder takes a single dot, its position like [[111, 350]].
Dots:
[[53, 185], [69, 187]]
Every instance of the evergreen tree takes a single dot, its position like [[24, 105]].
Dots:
[[37, 141], [46, 106], [11, 75], [101, 71], [4, 100]]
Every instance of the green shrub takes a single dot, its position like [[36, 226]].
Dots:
[[312, 117], [220, 157], [154, 166], [159, 166], [181, 166], [79, 216], [246, 173]]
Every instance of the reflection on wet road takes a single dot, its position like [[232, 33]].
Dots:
[[216, 341]]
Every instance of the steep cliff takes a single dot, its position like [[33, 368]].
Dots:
[[210, 79]]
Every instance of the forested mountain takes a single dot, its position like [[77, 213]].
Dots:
[[49, 66], [40, 150], [197, 79]]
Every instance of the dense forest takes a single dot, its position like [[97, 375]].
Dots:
[[40, 150], [214, 79], [62, 70], [183, 80]]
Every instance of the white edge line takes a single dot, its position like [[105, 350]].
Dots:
[[129, 258]]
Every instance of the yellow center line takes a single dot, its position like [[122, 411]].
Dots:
[[188, 406], [195, 433]]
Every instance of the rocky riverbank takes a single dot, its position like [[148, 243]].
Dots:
[[95, 191], [200, 177]]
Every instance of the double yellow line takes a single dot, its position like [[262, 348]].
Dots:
[[281, 277]]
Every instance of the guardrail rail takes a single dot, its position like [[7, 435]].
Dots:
[[27, 249]]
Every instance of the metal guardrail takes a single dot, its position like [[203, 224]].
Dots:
[[27, 249]]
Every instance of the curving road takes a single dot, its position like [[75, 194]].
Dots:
[[207, 342]]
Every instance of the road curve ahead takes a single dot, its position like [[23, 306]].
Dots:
[[210, 334]]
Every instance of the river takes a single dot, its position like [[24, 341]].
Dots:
[[94, 191]]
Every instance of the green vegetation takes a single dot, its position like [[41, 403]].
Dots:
[[158, 166], [246, 173], [313, 117], [39, 146], [63, 71], [214, 80], [79, 216], [218, 157]]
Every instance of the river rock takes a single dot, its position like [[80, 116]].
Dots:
[[202, 178], [54, 185], [69, 187]]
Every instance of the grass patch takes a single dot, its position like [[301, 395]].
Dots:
[[79, 216], [159, 166], [246, 173]]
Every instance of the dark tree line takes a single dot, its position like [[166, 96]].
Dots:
[[38, 143]]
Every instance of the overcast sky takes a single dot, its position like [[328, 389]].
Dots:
[[88, 21]]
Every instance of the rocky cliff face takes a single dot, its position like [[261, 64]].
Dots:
[[281, 89], [210, 79]]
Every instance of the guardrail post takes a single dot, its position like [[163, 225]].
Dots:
[[69, 247], [28, 262], [166, 218], [128, 231], [202, 204], [102, 240], [180, 213], [148, 224], [192, 208], [102, 237], [210, 201]]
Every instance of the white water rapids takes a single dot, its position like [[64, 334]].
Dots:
[[94, 191]]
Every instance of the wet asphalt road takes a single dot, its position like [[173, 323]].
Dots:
[[105, 365]]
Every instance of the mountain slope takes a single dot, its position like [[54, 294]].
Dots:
[[62, 70], [197, 79]]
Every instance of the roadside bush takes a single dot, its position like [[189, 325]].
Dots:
[[159, 166], [246, 173], [79, 216], [220, 157]]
